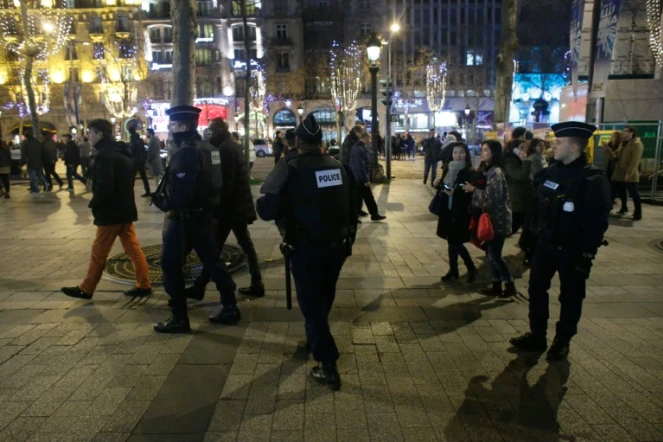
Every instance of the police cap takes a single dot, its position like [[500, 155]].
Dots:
[[183, 113], [309, 131], [290, 136], [573, 129]]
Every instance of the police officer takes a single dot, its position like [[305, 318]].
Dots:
[[313, 198], [190, 191], [570, 217]]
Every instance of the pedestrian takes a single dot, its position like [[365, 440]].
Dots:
[[570, 213], [86, 152], [278, 147], [494, 200], [410, 146], [190, 193], [349, 141], [454, 221], [519, 133], [360, 165], [32, 155], [321, 227], [627, 173], [114, 210], [154, 156], [72, 159], [5, 167], [139, 157], [535, 149], [235, 211], [445, 154], [518, 172], [50, 160], [610, 151], [432, 148]]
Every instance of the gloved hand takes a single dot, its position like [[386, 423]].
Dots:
[[583, 264]]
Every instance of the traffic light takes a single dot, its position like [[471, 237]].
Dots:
[[387, 93]]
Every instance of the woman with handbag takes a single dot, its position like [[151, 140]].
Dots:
[[492, 208], [454, 218]]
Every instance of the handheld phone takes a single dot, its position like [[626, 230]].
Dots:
[[447, 187]]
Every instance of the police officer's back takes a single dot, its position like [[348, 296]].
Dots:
[[570, 217], [312, 197]]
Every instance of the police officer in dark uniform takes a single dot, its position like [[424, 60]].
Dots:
[[570, 217], [312, 197], [189, 192]]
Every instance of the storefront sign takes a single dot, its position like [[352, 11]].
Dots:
[[604, 43]]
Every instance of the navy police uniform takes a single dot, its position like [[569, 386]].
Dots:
[[569, 217], [190, 190], [311, 196]]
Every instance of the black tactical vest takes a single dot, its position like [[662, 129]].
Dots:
[[318, 194]]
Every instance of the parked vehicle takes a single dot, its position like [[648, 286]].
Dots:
[[263, 148]]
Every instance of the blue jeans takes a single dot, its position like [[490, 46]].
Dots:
[[35, 174], [72, 172], [498, 266], [428, 165]]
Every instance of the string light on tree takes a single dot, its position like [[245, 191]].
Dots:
[[436, 85], [655, 35], [346, 78]]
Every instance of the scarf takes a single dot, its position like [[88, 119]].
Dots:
[[454, 168]]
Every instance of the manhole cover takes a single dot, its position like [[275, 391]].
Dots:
[[119, 268]]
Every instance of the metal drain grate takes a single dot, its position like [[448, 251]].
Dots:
[[119, 268]]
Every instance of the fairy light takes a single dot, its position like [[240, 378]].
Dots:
[[346, 75], [436, 85], [654, 22]]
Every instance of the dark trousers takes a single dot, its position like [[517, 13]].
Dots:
[[277, 157], [499, 269], [73, 173], [459, 249], [49, 171], [143, 176], [315, 269], [364, 194], [85, 165], [633, 192], [180, 237], [241, 232], [518, 219], [544, 265], [429, 165], [5, 181]]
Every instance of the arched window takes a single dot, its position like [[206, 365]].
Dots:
[[325, 116], [285, 117]]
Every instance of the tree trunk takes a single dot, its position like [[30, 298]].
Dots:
[[247, 88], [185, 31], [27, 76], [340, 117], [504, 68]]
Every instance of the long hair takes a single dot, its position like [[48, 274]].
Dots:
[[496, 153], [531, 147]]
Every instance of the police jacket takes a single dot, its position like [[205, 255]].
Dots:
[[113, 201], [313, 197], [571, 207], [191, 183]]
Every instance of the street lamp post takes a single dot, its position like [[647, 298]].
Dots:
[[373, 47], [300, 112], [468, 111], [395, 27]]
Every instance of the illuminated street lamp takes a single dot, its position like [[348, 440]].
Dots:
[[300, 111], [467, 110], [373, 49]]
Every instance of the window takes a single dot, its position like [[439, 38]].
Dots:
[[126, 50], [205, 8], [323, 4], [204, 86], [283, 61], [240, 55], [240, 87], [206, 31], [127, 74], [206, 56], [122, 24], [365, 30], [238, 33], [70, 52], [473, 58], [155, 35], [167, 34], [364, 4], [99, 53], [96, 26], [168, 57], [325, 116], [251, 6], [282, 32], [73, 75], [157, 57]]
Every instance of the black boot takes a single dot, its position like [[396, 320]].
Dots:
[[229, 315], [530, 342], [637, 214], [173, 325], [327, 374], [75, 292], [452, 275], [495, 289], [195, 293], [255, 290], [623, 210], [559, 349], [471, 274], [509, 292]]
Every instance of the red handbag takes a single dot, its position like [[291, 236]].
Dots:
[[485, 229]]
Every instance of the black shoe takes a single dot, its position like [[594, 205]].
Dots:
[[327, 374], [6, 196], [452, 275], [377, 217], [146, 195], [623, 210], [637, 216], [194, 293], [530, 342], [75, 292], [495, 289], [229, 315], [508, 293], [362, 213], [173, 325], [559, 349], [257, 291], [471, 274], [138, 292]]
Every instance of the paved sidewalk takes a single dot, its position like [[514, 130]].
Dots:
[[420, 360]]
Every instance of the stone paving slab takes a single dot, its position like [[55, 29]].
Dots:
[[419, 360]]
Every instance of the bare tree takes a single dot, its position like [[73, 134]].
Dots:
[[436, 85], [185, 32], [412, 79], [505, 59], [346, 80]]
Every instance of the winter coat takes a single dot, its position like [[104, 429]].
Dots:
[[346, 148], [629, 156], [454, 225], [154, 156], [113, 201], [32, 154], [236, 204], [360, 163], [5, 160], [519, 179], [137, 150], [538, 163], [278, 147], [432, 148], [495, 199], [50, 151], [72, 154]]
